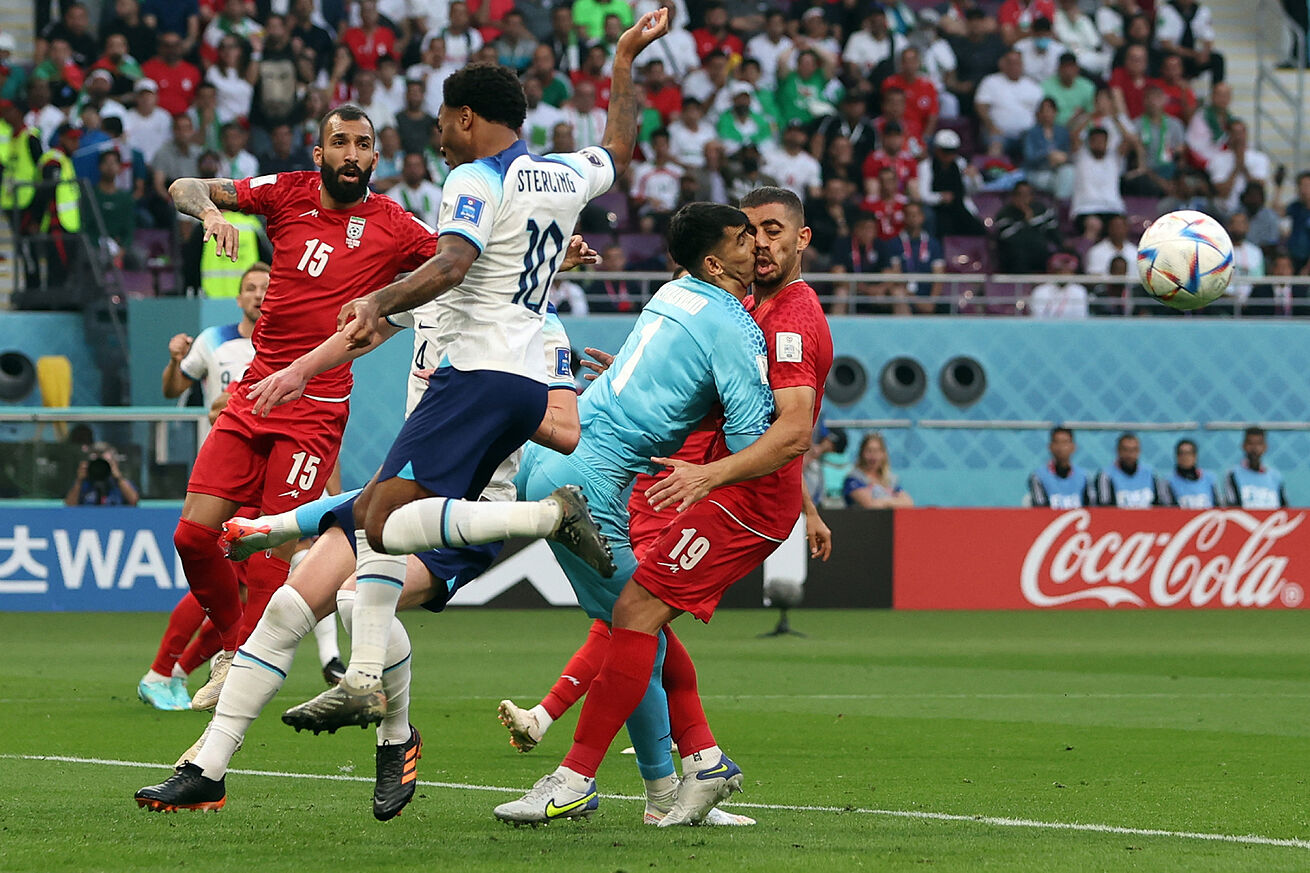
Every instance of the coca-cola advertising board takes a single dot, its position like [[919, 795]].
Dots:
[[1100, 558]]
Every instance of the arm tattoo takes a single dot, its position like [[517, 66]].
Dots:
[[195, 197], [621, 125]]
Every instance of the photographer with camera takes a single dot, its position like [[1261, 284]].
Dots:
[[99, 481]]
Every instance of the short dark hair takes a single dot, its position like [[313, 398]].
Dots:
[[697, 228], [1184, 442], [1253, 431], [1125, 437], [346, 112], [1059, 428], [491, 91], [767, 194]]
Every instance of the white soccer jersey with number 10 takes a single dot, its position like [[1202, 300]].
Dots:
[[519, 210]]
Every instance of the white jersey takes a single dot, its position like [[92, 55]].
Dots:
[[426, 322], [218, 357], [519, 210]]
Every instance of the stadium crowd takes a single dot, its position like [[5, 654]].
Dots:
[[1029, 136]]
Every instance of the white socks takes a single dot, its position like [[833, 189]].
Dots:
[[698, 761], [379, 579], [325, 634], [395, 677], [662, 792], [435, 522], [544, 721], [257, 673], [152, 676]]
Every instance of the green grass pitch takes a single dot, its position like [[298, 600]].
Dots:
[[882, 741]]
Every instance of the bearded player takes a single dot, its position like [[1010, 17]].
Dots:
[[332, 240]]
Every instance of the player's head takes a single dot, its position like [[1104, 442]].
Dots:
[[474, 98], [346, 153], [1185, 455], [1062, 445], [250, 294], [780, 235], [1253, 445], [715, 242], [1127, 450]]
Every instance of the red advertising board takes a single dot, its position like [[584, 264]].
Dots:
[[1099, 558]]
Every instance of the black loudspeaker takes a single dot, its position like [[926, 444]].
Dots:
[[903, 381], [847, 381], [963, 380], [17, 376]]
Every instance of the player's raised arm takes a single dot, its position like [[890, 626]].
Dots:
[[625, 103], [206, 199]]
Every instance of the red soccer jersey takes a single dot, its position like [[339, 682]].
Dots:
[[177, 84], [800, 353], [904, 163], [368, 49], [1022, 15], [706, 42], [890, 214], [920, 98], [322, 258], [1134, 92]]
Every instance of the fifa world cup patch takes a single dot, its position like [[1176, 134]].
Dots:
[[788, 347], [469, 209], [354, 231], [593, 158], [562, 363]]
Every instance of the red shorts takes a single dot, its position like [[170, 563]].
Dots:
[[274, 463], [644, 523], [699, 556]]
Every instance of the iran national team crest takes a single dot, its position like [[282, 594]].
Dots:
[[354, 231]]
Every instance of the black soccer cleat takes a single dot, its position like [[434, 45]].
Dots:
[[578, 532], [333, 671], [397, 775], [337, 708], [187, 788]]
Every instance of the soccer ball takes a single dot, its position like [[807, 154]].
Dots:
[[1185, 259]]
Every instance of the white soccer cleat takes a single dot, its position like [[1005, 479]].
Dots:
[[243, 537], [658, 808], [700, 792], [562, 794], [207, 697], [524, 729]]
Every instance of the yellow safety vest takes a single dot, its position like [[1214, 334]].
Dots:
[[220, 276], [20, 170], [68, 193]]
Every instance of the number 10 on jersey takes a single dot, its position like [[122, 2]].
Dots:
[[544, 249]]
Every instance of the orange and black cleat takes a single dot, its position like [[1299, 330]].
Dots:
[[397, 776], [187, 788]]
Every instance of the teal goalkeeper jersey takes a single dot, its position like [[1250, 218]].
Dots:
[[693, 347]]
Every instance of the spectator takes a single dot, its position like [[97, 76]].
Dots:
[[589, 16], [871, 484], [612, 295], [1207, 132], [1115, 245], [233, 77], [817, 36], [742, 126], [945, 182], [1027, 232], [586, 120], [793, 167], [914, 250], [689, 133], [74, 28], [1060, 299], [708, 182], [99, 87], [893, 112], [829, 218], [416, 192], [1137, 32], [1096, 174], [1129, 483], [141, 37], [435, 68], [176, 78], [1118, 127], [1179, 99], [1248, 260], [1161, 135], [849, 121], [826, 441], [232, 23], [236, 162], [892, 153], [100, 482], [563, 40], [858, 253], [275, 100], [1188, 486], [1072, 92], [540, 120], [390, 161], [119, 64], [415, 125], [204, 117], [1046, 149], [886, 204], [462, 39], [806, 93], [921, 105], [1112, 21], [676, 49], [1006, 104], [708, 83], [176, 159], [117, 210], [1236, 167], [938, 61], [657, 183], [1252, 484], [1040, 52], [768, 47], [715, 35], [93, 141], [1264, 230], [871, 51], [304, 30], [1061, 484], [516, 43], [593, 71], [1297, 214], [1184, 28], [1128, 83], [1115, 298], [42, 116], [1080, 37], [367, 97], [839, 163], [978, 54], [1017, 17], [284, 155], [62, 72], [146, 126], [561, 141], [180, 17], [1278, 298], [567, 296]]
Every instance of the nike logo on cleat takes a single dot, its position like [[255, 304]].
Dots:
[[714, 771], [553, 811]]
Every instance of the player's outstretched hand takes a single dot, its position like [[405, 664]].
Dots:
[[687, 484], [358, 320], [281, 387], [648, 28], [578, 253], [223, 233], [598, 366], [819, 535]]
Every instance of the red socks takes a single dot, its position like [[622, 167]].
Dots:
[[264, 576], [205, 646], [691, 730], [615, 693], [184, 621], [211, 578], [579, 671]]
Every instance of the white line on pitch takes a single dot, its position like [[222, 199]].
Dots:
[[1244, 839]]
